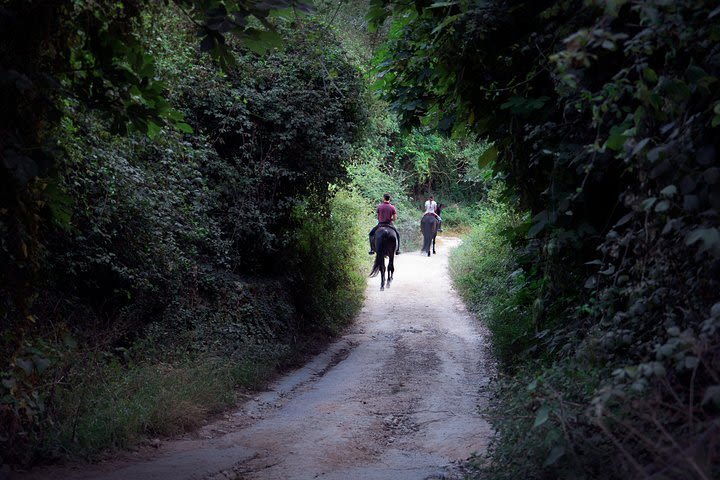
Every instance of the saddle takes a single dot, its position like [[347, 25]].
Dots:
[[381, 225]]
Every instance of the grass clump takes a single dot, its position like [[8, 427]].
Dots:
[[108, 405]]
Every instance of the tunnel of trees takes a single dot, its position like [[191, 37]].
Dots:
[[186, 187]]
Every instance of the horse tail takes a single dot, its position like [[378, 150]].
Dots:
[[426, 228], [379, 259], [380, 239]]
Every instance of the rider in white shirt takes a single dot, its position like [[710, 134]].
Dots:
[[431, 207]]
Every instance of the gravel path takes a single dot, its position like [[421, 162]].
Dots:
[[395, 398]]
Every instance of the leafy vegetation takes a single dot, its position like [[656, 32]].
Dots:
[[186, 186], [604, 122], [409, 165], [172, 263], [487, 273]]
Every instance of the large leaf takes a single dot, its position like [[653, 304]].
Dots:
[[488, 157], [540, 221], [618, 136], [555, 454], [542, 416], [708, 238], [524, 106]]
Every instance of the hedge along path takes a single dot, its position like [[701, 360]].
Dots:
[[397, 397]]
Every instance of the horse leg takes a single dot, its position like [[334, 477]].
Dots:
[[391, 269], [434, 237], [382, 273]]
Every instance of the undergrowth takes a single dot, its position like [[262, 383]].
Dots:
[[486, 272], [530, 418], [605, 120], [110, 405], [556, 408], [167, 267], [195, 360], [460, 215], [372, 178]]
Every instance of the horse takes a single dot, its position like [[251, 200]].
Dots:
[[429, 226], [385, 245]]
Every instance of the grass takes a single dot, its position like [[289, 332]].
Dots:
[[458, 231], [486, 274], [113, 406], [539, 432]]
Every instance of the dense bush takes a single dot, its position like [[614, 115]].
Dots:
[[445, 166], [213, 251], [532, 417], [605, 122], [486, 271], [325, 259], [282, 126], [89, 52]]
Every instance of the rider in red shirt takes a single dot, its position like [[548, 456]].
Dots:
[[386, 214]]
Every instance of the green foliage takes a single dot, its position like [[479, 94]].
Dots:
[[410, 165], [372, 175], [603, 115], [326, 258], [348, 20], [281, 124], [486, 272], [461, 216], [538, 425], [141, 212], [445, 166], [90, 53], [181, 257]]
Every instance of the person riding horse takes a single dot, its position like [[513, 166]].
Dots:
[[386, 214], [432, 208]]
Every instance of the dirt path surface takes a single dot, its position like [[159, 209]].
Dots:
[[395, 398]]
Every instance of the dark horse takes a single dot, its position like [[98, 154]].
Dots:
[[429, 226], [385, 243]]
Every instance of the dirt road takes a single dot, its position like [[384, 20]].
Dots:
[[395, 398]]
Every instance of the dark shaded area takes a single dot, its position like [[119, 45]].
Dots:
[[605, 120]]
